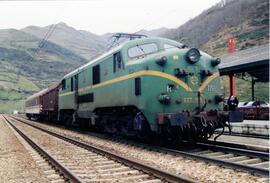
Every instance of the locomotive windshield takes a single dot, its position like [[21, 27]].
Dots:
[[142, 49], [170, 46]]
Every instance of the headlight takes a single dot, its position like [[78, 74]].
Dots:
[[193, 55]]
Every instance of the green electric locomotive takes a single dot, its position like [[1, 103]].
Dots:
[[147, 85]]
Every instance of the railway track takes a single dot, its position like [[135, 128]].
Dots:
[[234, 157], [110, 166], [231, 155], [63, 171]]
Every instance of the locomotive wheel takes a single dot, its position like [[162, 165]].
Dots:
[[211, 130], [67, 120], [169, 136], [192, 133], [141, 127], [108, 125], [180, 134], [83, 124], [126, 127]]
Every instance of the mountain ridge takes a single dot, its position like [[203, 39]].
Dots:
[[80, 42]]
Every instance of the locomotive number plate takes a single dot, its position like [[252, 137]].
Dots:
[[189, 100], [211, 88]]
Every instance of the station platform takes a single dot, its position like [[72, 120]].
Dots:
[[256, 142], [251, 127], [254, 122]]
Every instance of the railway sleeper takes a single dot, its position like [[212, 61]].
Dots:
[[58, 181], [151, 181], [214, 154], [107, 162], [130, 178], [108, 166], [264, 164], [224, 156], [237, 158], [124, 173], [204, 152], [53, 177], [117, 169], [250, 161]]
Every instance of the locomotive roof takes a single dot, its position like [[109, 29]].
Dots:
[[53, 87], [37, 94], [95, 60], [125, 44]]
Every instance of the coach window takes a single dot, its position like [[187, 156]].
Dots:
[[96, 74], [142, 50], [63, 84], [117, 62]]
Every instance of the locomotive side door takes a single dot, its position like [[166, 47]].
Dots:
[[76, 87], [118, 63]]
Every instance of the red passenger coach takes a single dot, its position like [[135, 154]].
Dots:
[[50, 102], [255, 110], [33, 105]]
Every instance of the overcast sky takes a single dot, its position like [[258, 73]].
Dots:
[[101, 16]]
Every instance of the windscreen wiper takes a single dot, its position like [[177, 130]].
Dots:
[[140, 48]]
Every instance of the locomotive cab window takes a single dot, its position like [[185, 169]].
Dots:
[[63, 84], [96, 74], [117, 62], [143, 49], [170, 46]]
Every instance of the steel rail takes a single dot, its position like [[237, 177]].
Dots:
[[223, 147], [57, 165], [161, 174]]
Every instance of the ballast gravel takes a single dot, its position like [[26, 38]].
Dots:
[[16, 164]]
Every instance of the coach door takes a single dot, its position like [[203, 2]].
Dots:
[[76, 87]]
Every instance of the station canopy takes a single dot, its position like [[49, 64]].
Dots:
[[254, 61]]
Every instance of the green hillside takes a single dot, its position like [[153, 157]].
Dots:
[[24, 70]]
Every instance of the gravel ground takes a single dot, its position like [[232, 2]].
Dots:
[[16, 163], [197, 170]]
